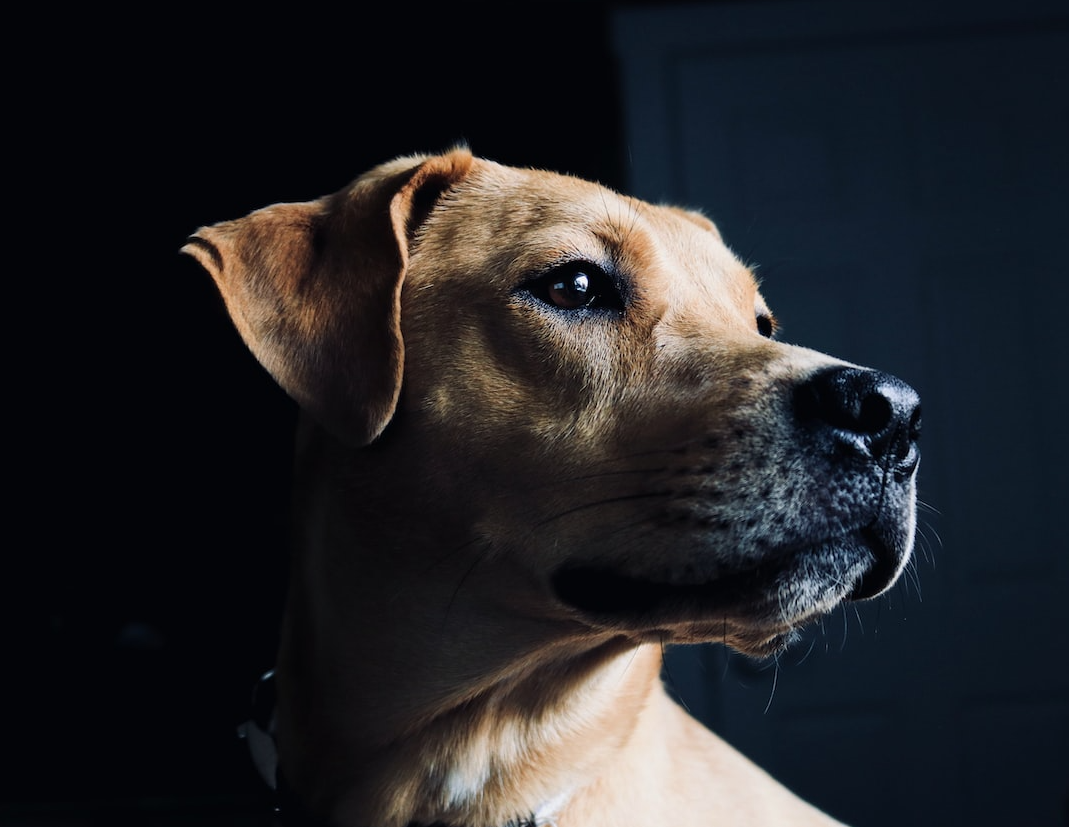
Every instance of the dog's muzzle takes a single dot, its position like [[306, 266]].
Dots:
[[857, 430]]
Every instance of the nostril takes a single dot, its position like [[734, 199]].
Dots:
[[877, 412], [874, 414]]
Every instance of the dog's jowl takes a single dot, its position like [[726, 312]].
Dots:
[[547, 431]]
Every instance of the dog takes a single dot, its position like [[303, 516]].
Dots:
[[546, 431]]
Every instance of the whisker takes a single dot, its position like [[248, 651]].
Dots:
[[928, 507], [671, 448], [604, 475], [915, 578], [638, 536], [860, 621], [464, 578], [927, 542], [634, 654], [775, 683], [439, 560], [669, 679], [808, 652], [606, 501]]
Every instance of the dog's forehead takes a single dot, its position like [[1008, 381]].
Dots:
[[536, 217]]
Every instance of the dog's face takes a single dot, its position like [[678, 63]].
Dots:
[[587, 388], [603, 375]]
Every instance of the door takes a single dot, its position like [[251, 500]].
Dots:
[[899, 174]]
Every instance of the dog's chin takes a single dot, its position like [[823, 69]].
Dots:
[[756, 610]]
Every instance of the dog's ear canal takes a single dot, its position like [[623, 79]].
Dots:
[[314, 288]]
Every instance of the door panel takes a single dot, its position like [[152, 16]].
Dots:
[[899, 176]]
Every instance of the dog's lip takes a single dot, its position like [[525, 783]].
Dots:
[[607, 595], [884, 569]]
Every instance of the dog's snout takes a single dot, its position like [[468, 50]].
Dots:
[[876, 412]]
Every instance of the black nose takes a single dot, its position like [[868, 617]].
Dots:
[[876, 413]]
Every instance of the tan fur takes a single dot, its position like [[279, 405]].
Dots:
[[464, 442]]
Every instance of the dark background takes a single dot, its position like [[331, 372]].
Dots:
[[151, 453]]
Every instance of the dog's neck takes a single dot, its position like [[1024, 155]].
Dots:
[[437, 698]]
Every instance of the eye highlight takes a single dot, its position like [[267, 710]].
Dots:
[[766, 324], [575, 286]]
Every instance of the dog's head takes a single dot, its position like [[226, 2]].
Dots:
[[588, 388]]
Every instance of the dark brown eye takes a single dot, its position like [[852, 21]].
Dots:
[[575, 286], [766, 325], [572, 291]]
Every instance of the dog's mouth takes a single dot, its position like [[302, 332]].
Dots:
[[784, 590]]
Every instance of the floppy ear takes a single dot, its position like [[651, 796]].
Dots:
[[314, 288]]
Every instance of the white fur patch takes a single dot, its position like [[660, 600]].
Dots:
[[546, 815], [464, 783]]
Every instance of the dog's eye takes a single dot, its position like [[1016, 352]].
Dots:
[[766, 325], [575, 286]]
